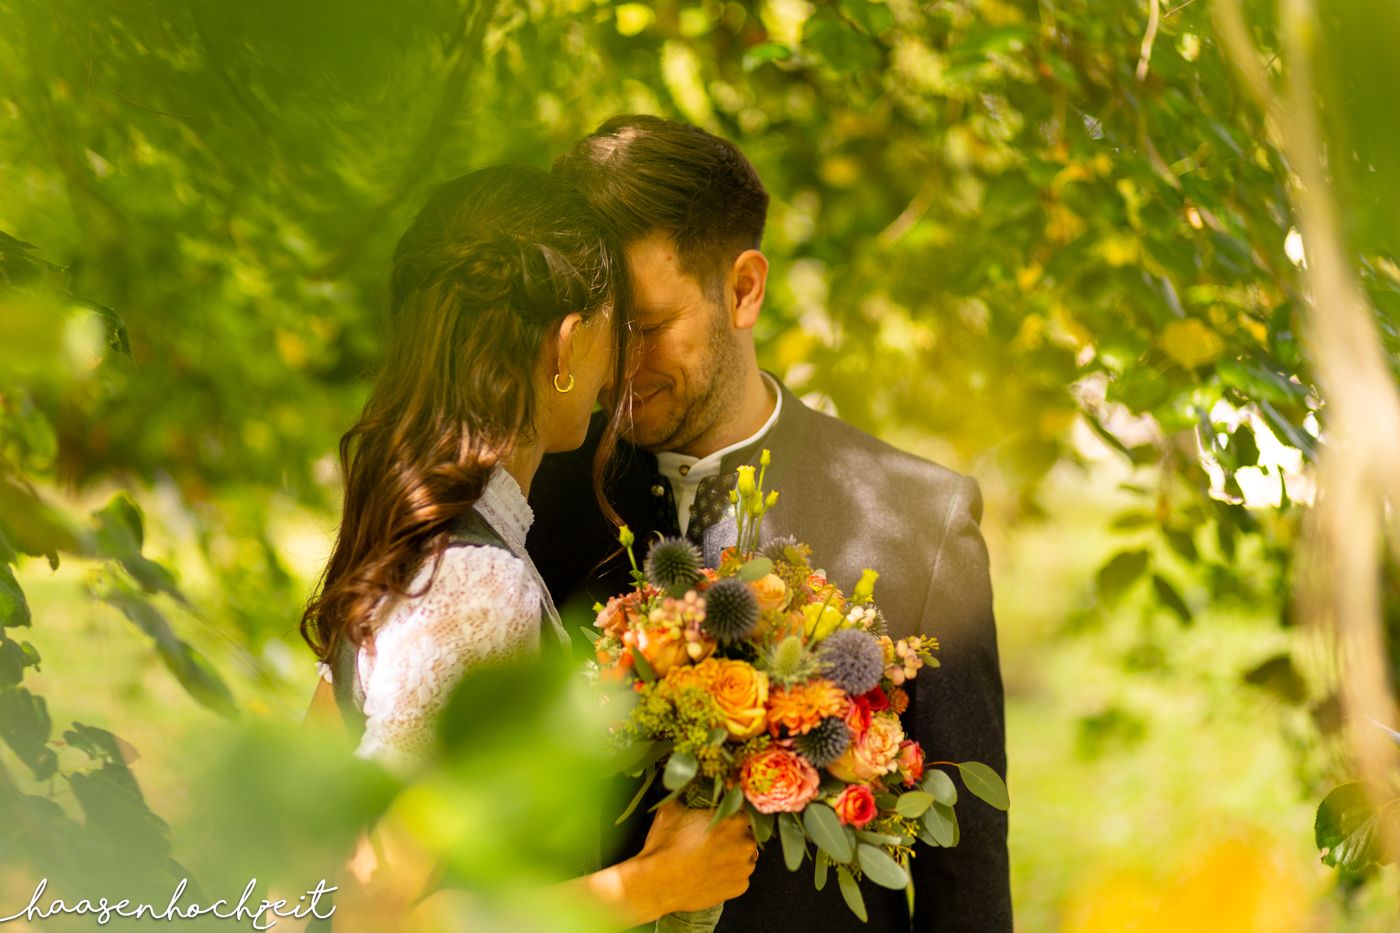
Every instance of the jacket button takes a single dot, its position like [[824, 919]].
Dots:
[[658, 490]]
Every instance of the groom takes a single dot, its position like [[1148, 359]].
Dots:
[[690, 210]]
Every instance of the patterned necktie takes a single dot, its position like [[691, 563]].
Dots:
[[710, 505]]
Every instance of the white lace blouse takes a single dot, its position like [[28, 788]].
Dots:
[[485, 604]]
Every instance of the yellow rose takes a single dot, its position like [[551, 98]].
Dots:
[[771, 592], [741, 693]]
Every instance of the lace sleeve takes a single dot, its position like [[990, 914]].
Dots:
[[483, 606]]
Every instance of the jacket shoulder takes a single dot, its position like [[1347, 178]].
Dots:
[[837, 441]]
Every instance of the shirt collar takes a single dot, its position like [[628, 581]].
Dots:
[[681, 468]]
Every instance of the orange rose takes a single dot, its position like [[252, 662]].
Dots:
[[771, 591], [856, 806], [661, 645], [741, 693], [778, 781]]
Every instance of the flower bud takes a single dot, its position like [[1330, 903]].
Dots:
[[747, 485]]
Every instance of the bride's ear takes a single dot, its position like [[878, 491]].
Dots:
[[564, 344]]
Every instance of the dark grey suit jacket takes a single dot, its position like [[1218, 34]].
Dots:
[[859, 503]]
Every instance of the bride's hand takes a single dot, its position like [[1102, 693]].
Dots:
[[690, 866]]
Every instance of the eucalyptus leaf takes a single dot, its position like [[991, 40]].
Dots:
[[825, 829], [881, 868], [794, 840], [912, 804], [681, 769], [637, 797], [941, 823], [850, 892], [756, 569], [985, 783], [941, 786]]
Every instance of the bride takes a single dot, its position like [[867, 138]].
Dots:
[[507, 319]]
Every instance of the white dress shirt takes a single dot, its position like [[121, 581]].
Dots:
[[685, 473]]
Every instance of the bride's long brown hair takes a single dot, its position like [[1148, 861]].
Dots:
[[482, 278]]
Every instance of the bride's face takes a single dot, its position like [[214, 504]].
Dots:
[[586, 350]]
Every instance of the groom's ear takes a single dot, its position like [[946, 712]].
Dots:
[[748, 278]]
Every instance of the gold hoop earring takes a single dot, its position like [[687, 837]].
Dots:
[[562, 389]]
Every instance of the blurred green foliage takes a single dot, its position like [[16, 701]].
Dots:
[[1010, 234]]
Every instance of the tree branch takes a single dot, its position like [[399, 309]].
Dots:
[[468, 55]]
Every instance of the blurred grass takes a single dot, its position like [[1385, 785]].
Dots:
[[1152, 789]]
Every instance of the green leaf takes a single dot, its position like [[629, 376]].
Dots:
[[880, 868], [638, 756], [717, 736], [25, 726], [756, 569], [763, 825], [913, 803], [939, 784], [850, 891], [637, 797], [825, 829], [190, 668], [793, 839], [823, 863], [731, 804], [880, 839], [874, 18], [1279, 676], [985, 783], [1346, 829], [941, 822], [765, 52], [1171, 598], [1121, 572], [1129, 521], [680, 771], [643, 666], [14, 608]]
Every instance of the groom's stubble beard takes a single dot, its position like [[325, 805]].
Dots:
[[714, 389]]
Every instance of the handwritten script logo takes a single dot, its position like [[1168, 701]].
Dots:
[[105, 909]]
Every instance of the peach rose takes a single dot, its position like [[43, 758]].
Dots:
[[777, 780], [771, 592], [856, 806], [872, 754], [622, 612], [741, 693]]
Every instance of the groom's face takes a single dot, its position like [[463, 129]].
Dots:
[[685, 356]]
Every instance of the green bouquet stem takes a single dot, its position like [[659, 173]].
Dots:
[[691, 921]]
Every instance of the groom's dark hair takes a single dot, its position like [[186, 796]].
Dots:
[[643, 174]]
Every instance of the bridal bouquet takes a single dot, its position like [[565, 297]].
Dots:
[[759, 686]]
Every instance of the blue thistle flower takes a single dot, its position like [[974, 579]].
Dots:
[[673, 563], [731, 610], [827, 742], [853, 660]]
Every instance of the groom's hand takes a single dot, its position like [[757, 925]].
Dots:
[[692, 866]]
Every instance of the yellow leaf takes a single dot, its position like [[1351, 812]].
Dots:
[[1191, 343], [1120, 250], [632, 18]]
